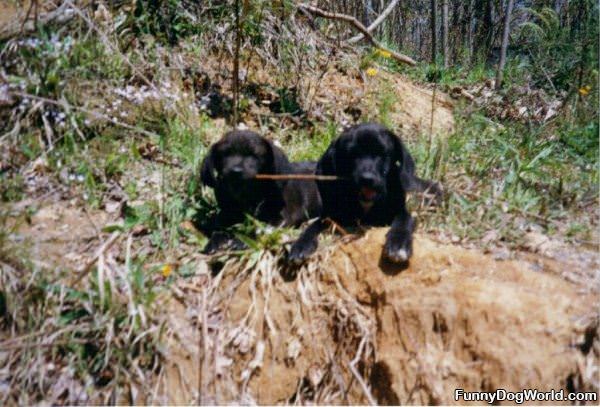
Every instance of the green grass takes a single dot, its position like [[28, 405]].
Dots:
[[505, 177], [95, 334]]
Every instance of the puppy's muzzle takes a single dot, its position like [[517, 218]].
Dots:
[[369, 188], [235, 176]]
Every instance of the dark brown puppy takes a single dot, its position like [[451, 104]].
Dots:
[[230, 168], [375, 171]]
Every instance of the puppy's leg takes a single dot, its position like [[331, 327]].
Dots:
[[220, 239], [398, 242], [307, 242]]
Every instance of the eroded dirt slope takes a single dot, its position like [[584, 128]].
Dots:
[[455, 318]]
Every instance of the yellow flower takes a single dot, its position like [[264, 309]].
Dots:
[[384, 53], [585, 90], [371, 71], [166, 270]]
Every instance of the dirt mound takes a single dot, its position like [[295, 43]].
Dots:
[[346, 96], [410, 107], [457, 319], [355, 330]]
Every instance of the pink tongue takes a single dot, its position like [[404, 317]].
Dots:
[[367, 193]]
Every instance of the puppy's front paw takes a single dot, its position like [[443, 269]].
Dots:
[[301, 251], [397, 249]]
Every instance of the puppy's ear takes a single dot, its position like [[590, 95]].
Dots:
[[280, 162], [406, 164], [326, 165], [207, 171]]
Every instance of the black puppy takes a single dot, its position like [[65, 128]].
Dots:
[[375, 171], [230, 168]]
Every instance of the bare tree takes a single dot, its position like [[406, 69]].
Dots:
[[445, 50], [433, 30], [505, 38]]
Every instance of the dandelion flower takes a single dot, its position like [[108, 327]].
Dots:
[[371, 72], [384, 53], [584, 91], [166, 270]]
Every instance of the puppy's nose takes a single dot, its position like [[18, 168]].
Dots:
[[236, 172], [367, 179]]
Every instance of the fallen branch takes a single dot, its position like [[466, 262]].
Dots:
[[302, 177], [88, 267], [375, 23], [458, 91], [360, 27]]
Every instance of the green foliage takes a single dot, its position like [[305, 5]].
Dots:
[[581, 142], [167, 21], [508, 174], [303, 146], [559, 53], [11, 187], [386, 102]]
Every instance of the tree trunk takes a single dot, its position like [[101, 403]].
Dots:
[[433, 31], [505, 38], [445, 50], [488, 27], [236, 64], [470, 29]]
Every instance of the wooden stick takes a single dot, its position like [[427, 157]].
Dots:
[[303, 177], [88, 267], [336, 226]]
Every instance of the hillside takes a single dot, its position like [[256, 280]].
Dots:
[[105, 296]]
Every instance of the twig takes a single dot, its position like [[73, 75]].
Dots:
[[88, 267], [360, 27], [31, 5], [363, 385], [203, 349], [335, 226], [303, 177], [44, 345], [435, 85]]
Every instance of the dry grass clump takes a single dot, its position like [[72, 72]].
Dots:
[[66, 344], [265, 339]]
